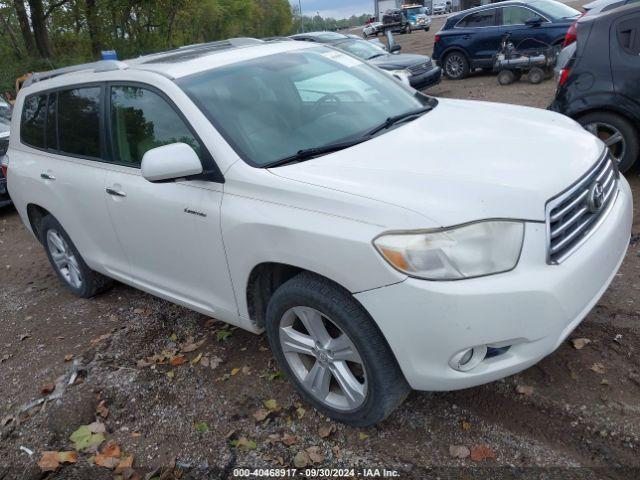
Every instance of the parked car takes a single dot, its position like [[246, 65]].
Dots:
[[592, 8], [418, 71], [418, 17], [372, 30], [599, 84], [5, 119], [441, 7], [470, 39], [261, 184]]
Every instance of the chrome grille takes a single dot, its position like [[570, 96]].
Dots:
[[420, 68], [575, 213]]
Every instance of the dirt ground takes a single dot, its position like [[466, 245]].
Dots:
[[574, 415]]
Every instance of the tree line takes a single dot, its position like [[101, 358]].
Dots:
[[39, 35]]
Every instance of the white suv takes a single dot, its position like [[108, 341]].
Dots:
[[385, 240]]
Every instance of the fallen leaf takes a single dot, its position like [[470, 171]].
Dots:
[[24, 336], [459, 451], [47, 388], [96, 341], [245, 443], [68, 357], [102, 409], [204, 362], [261, 414], [275, 375], [136, 434], [524, 390], [173, 337], [190, 347], [326, 430], [106, 461], [301, 459], [222, 335], [124, 464], [300, 412], [171, 374], [111, 449], [580, 343], [177, 360], [315, 455], [97, 427], [289, 439], [84, 439], [234, 371], [246, 370], [202, 427], [196, 359], [466, 426], [481, 452], [67, 457], [49, 462], [271, 405], [598, 368], [362, 436], [215, 362]]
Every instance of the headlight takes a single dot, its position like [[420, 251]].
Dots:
[[402, 75], [467, 251]]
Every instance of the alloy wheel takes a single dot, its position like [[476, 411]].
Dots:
[[454, 65], [63, 258], [612, 138], [323, 358]]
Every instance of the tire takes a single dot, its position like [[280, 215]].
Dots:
[[308, 299], [506, 77], [67, 261], [407, 29], [606, 126], [535, 75], [456, 65]]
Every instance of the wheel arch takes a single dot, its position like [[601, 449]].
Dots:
[[35, 214]]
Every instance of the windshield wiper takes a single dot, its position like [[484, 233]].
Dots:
[[308, 153], [391, 121]]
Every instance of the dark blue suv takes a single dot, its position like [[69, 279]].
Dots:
[[471, 38]]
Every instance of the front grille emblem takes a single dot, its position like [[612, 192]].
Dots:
[[596, 197]]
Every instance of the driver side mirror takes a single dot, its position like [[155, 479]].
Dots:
[[533, 22], [169, 162]]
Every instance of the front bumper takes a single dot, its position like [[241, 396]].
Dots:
[[532, 308], [427, 79]]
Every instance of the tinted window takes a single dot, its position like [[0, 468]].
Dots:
[[518, 16], [555, 10], [486, 18], [33, 119], [52, 127], [143, 120], [629, 35], [79, 121]]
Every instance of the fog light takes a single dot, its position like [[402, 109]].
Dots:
[[468, 359]]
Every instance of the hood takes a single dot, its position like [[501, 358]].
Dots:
[[401, 60], [462, 161]]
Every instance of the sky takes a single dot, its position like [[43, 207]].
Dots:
[[336, 8]]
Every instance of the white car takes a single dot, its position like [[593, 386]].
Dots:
[[373, 29], [385, 240]]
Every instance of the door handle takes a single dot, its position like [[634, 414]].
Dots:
[[466, 37], [116, 193], [47, 176]]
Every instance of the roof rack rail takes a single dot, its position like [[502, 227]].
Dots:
[[234, 42], [99, 66]]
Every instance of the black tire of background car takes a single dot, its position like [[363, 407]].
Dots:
[[535, 75], [628, 131], [93, 282], [506, 77], [464, 65], [386, 385]]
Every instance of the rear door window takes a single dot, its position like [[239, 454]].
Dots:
[[79, 121], [485, 18], [52, 124], [33, 119]]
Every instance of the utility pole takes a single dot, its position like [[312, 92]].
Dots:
[[301, 16]]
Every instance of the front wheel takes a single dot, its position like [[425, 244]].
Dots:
[[332, 351], [620, 136], [456, 66]]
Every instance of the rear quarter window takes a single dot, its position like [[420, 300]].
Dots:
[[33, 120]]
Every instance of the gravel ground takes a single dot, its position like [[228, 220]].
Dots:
[[574, 415]]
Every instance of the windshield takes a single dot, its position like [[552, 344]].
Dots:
[[272, 107], [415, 10], [361, 49], [555, 10]]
